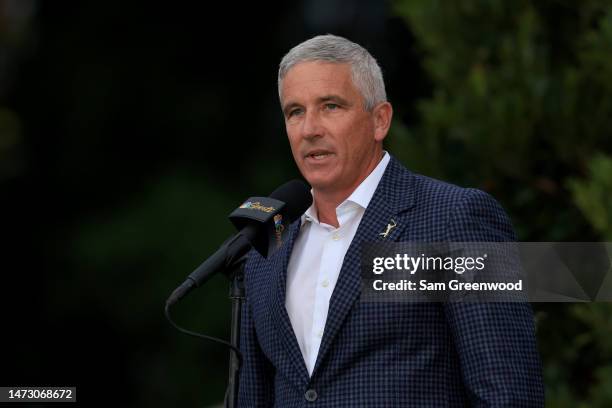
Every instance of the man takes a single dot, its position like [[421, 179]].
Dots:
[[307, 340]]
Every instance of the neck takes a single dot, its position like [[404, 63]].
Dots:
[[326, 209], [326, 201]]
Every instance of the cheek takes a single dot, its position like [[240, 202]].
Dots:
[[362, 139], [351, 143], [295, 151], [293, 141]]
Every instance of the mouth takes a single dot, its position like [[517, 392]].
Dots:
[[318, 155]]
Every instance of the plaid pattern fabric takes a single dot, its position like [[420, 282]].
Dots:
[[394, 354]]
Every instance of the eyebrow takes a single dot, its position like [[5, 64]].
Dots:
[[327, 98]]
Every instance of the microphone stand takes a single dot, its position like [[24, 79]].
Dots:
[[234, 271], [237, 297]]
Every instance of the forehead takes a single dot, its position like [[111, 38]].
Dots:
[[315, 78]]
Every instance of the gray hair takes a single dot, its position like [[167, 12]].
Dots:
[[365, 72]]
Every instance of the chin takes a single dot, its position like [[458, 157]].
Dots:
[[321, 180], [320, 183]]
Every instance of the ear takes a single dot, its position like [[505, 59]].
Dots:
[[382, 113]]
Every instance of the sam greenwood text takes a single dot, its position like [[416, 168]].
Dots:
[[453, 284]]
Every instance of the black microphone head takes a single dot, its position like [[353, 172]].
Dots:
[[296, 196]]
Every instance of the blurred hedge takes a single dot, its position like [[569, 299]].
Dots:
[[521, 106]]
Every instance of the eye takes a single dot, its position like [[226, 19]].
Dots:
[[293, 112], [331, 106]]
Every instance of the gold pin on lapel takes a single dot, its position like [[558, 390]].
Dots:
[[390, 226]]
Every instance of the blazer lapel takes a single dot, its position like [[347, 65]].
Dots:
[[392, 197], [299, 374]]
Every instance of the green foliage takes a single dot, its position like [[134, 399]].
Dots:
[[594, 195], [522, 103], [521, 106]]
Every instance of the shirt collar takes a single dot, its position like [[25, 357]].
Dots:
[[361, 196], [365, 191]]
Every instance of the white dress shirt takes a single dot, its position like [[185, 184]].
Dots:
[[316, 261]]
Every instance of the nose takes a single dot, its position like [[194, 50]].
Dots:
[[311, 125]]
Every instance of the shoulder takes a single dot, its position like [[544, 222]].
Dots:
[[459, 199], [463, 209], [399, 183]]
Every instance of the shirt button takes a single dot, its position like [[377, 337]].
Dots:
[[311, 395], [336, 236], [320, 333], [325, 283]]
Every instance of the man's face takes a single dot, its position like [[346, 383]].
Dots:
[[332, 137]]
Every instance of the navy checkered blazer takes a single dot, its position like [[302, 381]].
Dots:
[[383, 354]]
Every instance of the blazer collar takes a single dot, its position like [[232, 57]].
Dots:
[[396, 189], [299, 374]]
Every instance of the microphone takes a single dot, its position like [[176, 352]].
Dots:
[[261, 223]]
